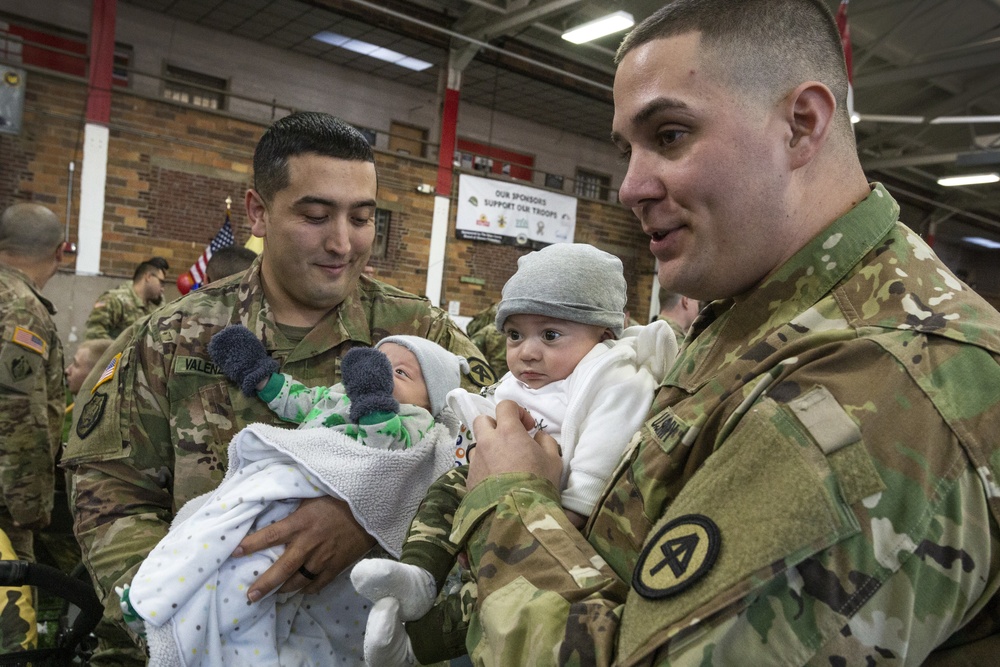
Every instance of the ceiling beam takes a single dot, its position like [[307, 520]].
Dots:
[[513, 21], [927, 70]]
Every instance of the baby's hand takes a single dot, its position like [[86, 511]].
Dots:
[[132, 618]]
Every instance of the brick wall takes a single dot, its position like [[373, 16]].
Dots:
[[170, 169]]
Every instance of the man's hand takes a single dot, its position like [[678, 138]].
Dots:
[[321, 536], [504, 445]]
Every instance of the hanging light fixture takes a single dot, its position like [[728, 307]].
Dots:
[[606, 25], [970, 179]]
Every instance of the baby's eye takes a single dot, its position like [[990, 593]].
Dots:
[[513, 335], [400, 371], [551, 335]]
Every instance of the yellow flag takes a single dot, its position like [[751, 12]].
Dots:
[[255, 243]]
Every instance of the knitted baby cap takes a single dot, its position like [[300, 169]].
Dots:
[[442, 370], [567, 281]]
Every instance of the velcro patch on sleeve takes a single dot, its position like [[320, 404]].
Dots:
[[825, 419]]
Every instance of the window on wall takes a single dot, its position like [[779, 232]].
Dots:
[[194, 88], [591, 185], [407, 139], [381, 243]]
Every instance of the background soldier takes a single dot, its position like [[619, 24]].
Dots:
[[313, 203], [32, 394], [679, 312], [120, 307], [491, 341]]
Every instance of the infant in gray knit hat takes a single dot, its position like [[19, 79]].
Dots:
[[585, 380]]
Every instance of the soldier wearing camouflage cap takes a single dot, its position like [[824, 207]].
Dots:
[[818, 479], [118, 308], [155, 429]]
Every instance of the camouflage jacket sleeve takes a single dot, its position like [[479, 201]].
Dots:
[[540, 583], [105, 318], [122, 462], [31, 393], [446, 333]]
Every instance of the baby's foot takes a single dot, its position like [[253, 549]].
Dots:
[[386, 642], [413, 586]]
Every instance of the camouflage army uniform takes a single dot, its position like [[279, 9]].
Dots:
[[491, 341], [155, 433], [114, 311], [32, 402], [818, 483], [18, 621]]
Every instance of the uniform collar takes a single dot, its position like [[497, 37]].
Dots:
[[794, 287], [23, 277], [348, 321]]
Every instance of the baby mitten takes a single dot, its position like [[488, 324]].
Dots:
[[367, 377], [242, 357]]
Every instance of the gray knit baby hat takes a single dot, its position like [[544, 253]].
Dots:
[[442, 370], [567, 281]]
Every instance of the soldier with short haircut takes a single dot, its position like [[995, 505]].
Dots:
[[678, 311], [155, 430], [32, 387], [224, 262], [818, 479], [120, 307]]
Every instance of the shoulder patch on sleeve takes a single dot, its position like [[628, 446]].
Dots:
[[480, 373], [20, 371], [91, 415], [108, 373], [29, 339], [680, 554]]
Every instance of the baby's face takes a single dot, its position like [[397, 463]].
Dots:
[[409, 381], [543, 349]]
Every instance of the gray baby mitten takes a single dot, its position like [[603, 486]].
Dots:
[[367, 377], [242, 357]]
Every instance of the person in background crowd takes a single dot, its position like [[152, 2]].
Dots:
[[120, 307], [32, 386], [818, 480], [160, 263], [678, 311], [491, 341], [224, 262], [149, 440]]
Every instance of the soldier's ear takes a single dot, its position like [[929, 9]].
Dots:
[[256, 213]]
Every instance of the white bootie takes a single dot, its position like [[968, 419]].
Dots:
[[386, 643]]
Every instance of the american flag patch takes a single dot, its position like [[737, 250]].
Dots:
[[109, 372], [29, 339]]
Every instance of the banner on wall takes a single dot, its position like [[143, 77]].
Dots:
[[500, 212]]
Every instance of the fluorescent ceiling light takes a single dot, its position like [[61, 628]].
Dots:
[[855, 117], [888, 118], [971, 179], [980, 241], [954, 120], [367, 49], [606, 25]]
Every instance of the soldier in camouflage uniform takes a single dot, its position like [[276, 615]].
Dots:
[[119, 308], [154, 432], [490, 340], [818, 481], [32, 398], [32, 386], [678, 311]]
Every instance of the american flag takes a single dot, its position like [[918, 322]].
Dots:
[[224, 238], [109, 372], [29, 339], [845, 41]]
